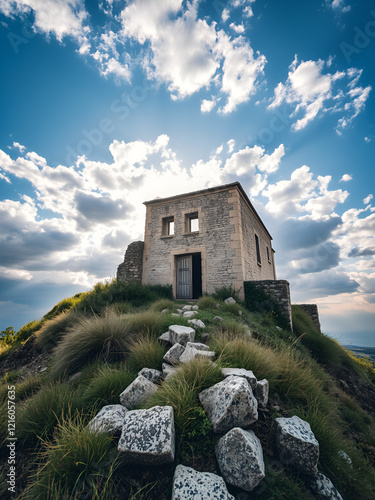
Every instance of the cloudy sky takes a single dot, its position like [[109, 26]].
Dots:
[[107, 104]]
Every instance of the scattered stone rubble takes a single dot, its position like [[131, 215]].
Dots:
[[189, 483], [148, 436]]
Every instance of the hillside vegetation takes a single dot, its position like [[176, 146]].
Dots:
[[109, 334]]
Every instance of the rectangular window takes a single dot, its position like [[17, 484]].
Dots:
[[268, 255], [258, 250], [192, 223], [168, 226]]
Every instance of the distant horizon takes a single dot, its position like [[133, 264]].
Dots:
[[106, 105]]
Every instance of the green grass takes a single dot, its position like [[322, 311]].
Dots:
[[161, 304], [76, 462], [104, 337], [207, 302], [106, 386], [145, 353], [52, 330]]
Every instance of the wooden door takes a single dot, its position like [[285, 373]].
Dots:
[[185, 277]]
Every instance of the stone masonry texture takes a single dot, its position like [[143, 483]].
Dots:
[[312, 311], [280, 292], [131, 268]]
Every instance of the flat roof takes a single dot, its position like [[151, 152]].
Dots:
[[212, 190]]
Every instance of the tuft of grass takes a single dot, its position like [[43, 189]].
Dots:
[[76, 464], [207, 302], [182, 389], [161, 304], [27, 330], [106, 337], [105, 388], [145, 353], [53, 329], [234, 309], [225, 292], [119, 308], [38, 416], [28, 387]]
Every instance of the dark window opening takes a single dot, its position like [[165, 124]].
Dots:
[[268, 255], [258, 250]]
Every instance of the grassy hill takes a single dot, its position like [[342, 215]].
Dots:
[[109, 334]]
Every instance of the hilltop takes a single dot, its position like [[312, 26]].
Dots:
[[89, 348]]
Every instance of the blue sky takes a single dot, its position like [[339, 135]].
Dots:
[[107, 104]]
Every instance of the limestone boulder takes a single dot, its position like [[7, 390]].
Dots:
[[261, 392], [190, 484], [168, 370], [218, 319], [137, 392], [198, 345], [297, 444], [205, 337], [109, 419], [152, 375], [173, 355], [191, 353], [148, 436], [181, 334], [240, 457], [165, 311], [189, 314], [229, 404], [324, 487], [196, 323], [241, 372], [164, 339], [230, 300], [195, 308], [187, 308]]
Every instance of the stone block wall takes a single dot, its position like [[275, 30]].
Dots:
[[312, 311], [279, 290], [131, 268]]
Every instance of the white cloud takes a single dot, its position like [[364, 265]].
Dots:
[[207, 105], [240, 71], [312, 92], [368, 199], [225, 15], [58, 17], [303, 194], [231, 144], [339, 5], [19, 146], [346, 178], [238, 28]]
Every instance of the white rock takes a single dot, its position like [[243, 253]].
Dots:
[[241, 372], [152, 375], [176, 315], [229, 404], [261, 392], [164, 338], [186, 308], [137, 392], [240, 458], [148, 436], [324, 487], [218, 319], [168, 370], [180, 311], [191, 353], [196, 323], [173, 355], [189, 314], [198, 345], [181, 334], [230, 300], [110, 419], [189, 484], [345, 457], [297, 444], [278, 328], [195, 308]]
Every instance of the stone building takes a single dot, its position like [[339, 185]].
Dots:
[[201, 241]]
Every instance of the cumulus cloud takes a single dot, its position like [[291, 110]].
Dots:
[[58, 17], [313, 92], [368, 199], [346, 178], [19, 146], [339, 5]]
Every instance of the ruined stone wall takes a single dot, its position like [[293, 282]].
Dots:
[[312, 311], [213, 240], [251, 227], [131, 268], [279, 290]]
